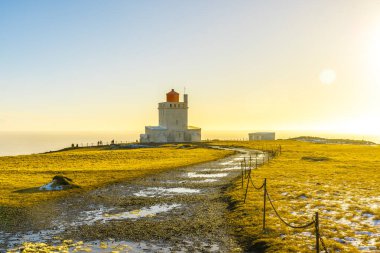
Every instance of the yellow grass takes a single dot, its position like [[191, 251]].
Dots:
[[344, 190], [89, 168]]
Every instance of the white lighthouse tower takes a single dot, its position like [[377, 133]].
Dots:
[[173, 122], [172, 113]]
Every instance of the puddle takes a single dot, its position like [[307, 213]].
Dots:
[[367, 248], [226, 163], [222, 169], [103, 215], [194, 175], [208, 180], [12, 240], [160, 191], [115, 246], [231, 168], [364, 233], [174, 182]]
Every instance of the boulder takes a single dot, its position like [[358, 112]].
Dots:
[[59, 183]]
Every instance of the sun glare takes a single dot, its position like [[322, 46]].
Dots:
[[327, 76]]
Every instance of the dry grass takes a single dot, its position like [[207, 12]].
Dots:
[[89, 168], [343, 187]]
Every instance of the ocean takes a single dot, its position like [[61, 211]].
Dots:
[[21, 143]]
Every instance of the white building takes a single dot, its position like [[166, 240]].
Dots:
[[173, 122], [262, 136]]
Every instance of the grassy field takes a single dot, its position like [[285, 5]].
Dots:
[[89, 168], [341, 182]]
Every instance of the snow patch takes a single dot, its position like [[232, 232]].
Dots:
[[51, 187], [103, 214]]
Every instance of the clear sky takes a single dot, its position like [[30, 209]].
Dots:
[[265, 65]]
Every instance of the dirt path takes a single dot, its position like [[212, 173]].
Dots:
[[181, 210]]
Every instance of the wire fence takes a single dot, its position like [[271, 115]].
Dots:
[[246, 168]]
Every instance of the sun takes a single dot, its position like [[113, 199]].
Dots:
[[327, 76]]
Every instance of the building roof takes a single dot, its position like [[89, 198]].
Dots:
[[172, 96], [172, 92]]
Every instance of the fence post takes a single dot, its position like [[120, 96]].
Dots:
[[316, 232], [256, 160], [246, 190], [242, 175], [244, 168], [265, 200]]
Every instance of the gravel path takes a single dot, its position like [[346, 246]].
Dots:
[[182, 210]]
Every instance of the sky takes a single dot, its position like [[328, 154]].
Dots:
[[95, 65]]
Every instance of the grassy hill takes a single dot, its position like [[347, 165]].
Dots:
[[341, 182], [89, 168]]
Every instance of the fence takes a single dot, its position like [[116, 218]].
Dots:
[[99, 144], [246, 168]]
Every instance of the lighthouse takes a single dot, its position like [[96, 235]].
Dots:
[[173, 122]]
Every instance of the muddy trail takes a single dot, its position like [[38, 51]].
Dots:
[[182, 210]]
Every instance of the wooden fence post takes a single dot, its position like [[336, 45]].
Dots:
[[316, 232], [265, 200], [242, 175], [245, 168], [246, 190]]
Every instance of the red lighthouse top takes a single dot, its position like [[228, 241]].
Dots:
[[172, 96]]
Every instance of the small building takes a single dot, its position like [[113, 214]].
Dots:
[[173, 122], [258, 136]]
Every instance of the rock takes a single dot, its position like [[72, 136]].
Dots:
[[59, 183], [315, 158], [62, 180]]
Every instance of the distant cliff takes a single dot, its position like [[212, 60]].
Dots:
[[332, 141]]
